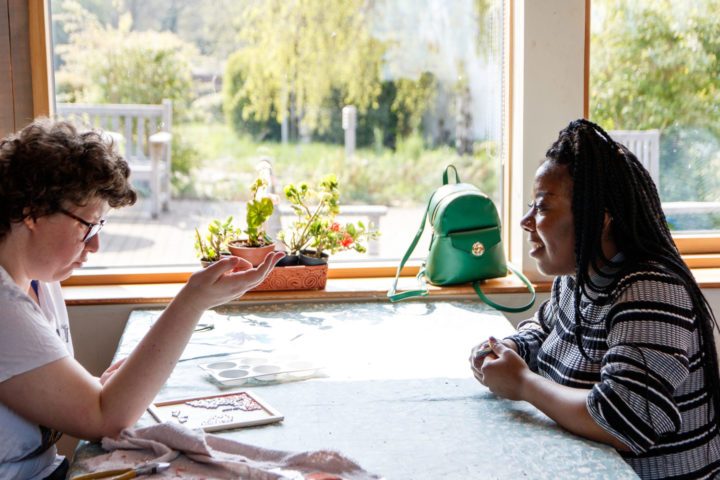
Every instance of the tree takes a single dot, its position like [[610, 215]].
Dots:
[[654, 65], [122, 66], [106, 64], [262, 125], [297, 53]]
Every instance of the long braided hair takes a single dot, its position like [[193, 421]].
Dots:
[[608, 178]]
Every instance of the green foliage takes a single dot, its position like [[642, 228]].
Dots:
[[210, 247], [237, 104], [259, 209], [315, 227], [296, 54], [655, 64], [185, 158], [396, 113], [69, 87], [412, 100], [106, 64], [401, 177], [691, 155], [121, 65]]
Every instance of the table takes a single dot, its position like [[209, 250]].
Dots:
[[396, 393]]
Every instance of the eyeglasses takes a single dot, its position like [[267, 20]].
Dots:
[[93, 228]]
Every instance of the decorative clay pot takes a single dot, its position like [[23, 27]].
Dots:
[[254, 255], [298, 277]]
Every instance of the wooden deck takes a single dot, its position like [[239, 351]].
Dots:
[[132, 237]]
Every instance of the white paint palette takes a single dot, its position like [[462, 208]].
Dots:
[[259, 370]]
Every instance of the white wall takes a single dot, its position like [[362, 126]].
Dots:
[[549, 51]]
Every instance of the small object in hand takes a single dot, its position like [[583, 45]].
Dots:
[[483, 352]]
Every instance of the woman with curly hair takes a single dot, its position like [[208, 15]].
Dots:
[[56, 185], [623, 351]]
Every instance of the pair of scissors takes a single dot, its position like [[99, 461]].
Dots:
[[126, 473]]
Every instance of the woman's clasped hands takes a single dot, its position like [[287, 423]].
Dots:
[[500, 369]]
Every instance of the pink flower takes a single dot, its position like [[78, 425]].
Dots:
[[335, 227], [347, 240]]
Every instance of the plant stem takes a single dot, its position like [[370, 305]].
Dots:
[[201, 244]]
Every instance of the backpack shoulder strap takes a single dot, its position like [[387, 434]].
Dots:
[[423, 291], [523, 278]]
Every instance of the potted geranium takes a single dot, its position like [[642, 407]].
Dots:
[[256, 243], [315, 234], [214, 243]]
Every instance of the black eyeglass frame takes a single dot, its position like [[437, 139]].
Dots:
[[93, 228]]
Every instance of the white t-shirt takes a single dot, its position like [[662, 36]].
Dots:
[[30, 337]]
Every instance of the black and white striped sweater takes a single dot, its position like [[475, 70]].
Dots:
[[648, 389]]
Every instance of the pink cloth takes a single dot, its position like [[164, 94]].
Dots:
[[195, 454]]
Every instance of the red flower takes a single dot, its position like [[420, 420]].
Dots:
[[347, 240], [335, 227]]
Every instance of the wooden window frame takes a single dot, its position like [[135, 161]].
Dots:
[[699, 250]]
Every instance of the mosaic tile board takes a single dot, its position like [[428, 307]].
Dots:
[[217, 412]]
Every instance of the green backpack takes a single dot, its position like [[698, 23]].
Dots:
[[466, 244]]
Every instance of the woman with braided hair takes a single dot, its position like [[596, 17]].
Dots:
[[623, 351]]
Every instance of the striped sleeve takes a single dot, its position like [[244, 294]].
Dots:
[[650, 330], [532, 333]]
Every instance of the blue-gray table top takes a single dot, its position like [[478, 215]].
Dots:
[[395, 393]]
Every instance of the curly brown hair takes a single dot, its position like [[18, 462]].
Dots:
[[49, 163]]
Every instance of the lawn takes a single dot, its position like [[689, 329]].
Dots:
[[401, 177]]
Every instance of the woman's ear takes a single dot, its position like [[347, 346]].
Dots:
[[608, 242], [28, 220], [606, 222], [607, 226]]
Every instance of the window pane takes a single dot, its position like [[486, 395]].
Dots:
[[259, 82], [654, 72]]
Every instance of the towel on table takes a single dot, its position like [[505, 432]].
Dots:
[[195, 454]]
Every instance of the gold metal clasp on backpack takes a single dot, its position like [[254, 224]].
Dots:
[[478, 249]]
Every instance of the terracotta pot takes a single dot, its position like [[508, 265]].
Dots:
[[254, 255], [298, 277]]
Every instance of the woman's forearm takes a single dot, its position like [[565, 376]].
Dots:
[[126, 395], [567, 406]]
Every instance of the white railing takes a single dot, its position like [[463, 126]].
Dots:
[[144, 136], [645, 144]]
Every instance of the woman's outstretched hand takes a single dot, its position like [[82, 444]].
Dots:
[[226, 280]]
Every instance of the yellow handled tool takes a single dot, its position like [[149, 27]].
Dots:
[[126, 473]]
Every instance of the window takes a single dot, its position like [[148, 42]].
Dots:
[[272, 80], [546, 84], [654, 76]]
